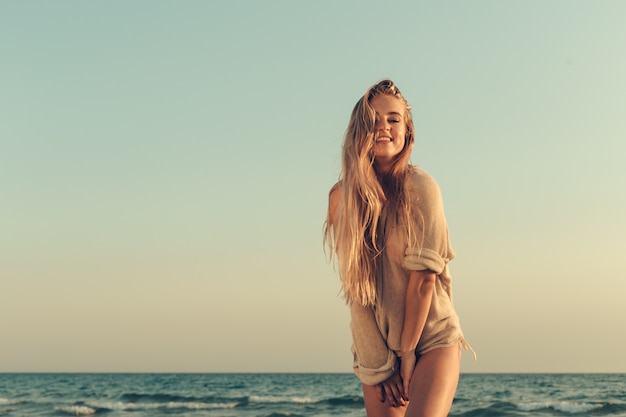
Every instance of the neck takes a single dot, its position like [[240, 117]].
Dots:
[[382, 167]]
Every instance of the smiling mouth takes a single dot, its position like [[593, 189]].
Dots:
[[383, 140]]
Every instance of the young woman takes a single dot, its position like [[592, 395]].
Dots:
[[386, 225]]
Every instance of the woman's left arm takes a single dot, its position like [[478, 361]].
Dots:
[[419, 296]]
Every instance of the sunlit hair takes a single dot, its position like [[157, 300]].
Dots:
[[364, 192]]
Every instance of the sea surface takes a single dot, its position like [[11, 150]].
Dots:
[[295, 395]]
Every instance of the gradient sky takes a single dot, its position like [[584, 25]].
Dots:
[[164, 170]]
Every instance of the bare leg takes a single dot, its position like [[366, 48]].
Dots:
[[375, 408], [434, 383]]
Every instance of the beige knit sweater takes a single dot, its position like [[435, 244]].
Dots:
[[377, 331]]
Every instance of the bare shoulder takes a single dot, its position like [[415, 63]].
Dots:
[[334, 196]]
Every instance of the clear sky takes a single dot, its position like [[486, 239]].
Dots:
[[164, 170]]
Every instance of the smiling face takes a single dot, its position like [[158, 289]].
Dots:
[[390, 130]]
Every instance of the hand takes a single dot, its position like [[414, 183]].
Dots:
[[391, 390], [407, 366]]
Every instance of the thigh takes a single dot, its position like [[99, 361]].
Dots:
[[434, 382], [375, 408]]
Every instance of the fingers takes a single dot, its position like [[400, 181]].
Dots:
[[393, 393]]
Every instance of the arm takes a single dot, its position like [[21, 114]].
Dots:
[[419, 296]]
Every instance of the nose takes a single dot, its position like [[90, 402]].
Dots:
[[382, 125]]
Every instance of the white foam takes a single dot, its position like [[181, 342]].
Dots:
[[532, 406], [6, 401], [563, 406], [276, 399], [77, 410], [571, 407], [119, 406], [190, 405]]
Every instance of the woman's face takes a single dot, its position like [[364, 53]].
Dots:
[[390, 129]]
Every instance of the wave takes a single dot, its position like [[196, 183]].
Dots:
[[76, 410], [171, 405], [161, 398], [468, 407], [283, 415], [568, 407], [348, 400], [278, 399], [137, 401], [6, 401], [167, 403], [91, 408], [499, 409]]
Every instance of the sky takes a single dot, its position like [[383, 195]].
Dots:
[[165, 166]]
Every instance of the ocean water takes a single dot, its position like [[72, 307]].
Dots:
[[295, 395]]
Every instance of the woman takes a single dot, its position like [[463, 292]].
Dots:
[[387, 226]]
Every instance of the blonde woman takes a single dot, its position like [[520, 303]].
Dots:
[[386, 225]]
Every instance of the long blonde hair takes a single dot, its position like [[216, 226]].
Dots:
[[354, 235]]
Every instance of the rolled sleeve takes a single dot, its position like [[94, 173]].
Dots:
[[374, 362], [420, 260], [433, 252], [374, 376]]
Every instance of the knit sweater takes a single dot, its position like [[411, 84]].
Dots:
[[376, 331]]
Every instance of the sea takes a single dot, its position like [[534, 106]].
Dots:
[[295, 395]]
